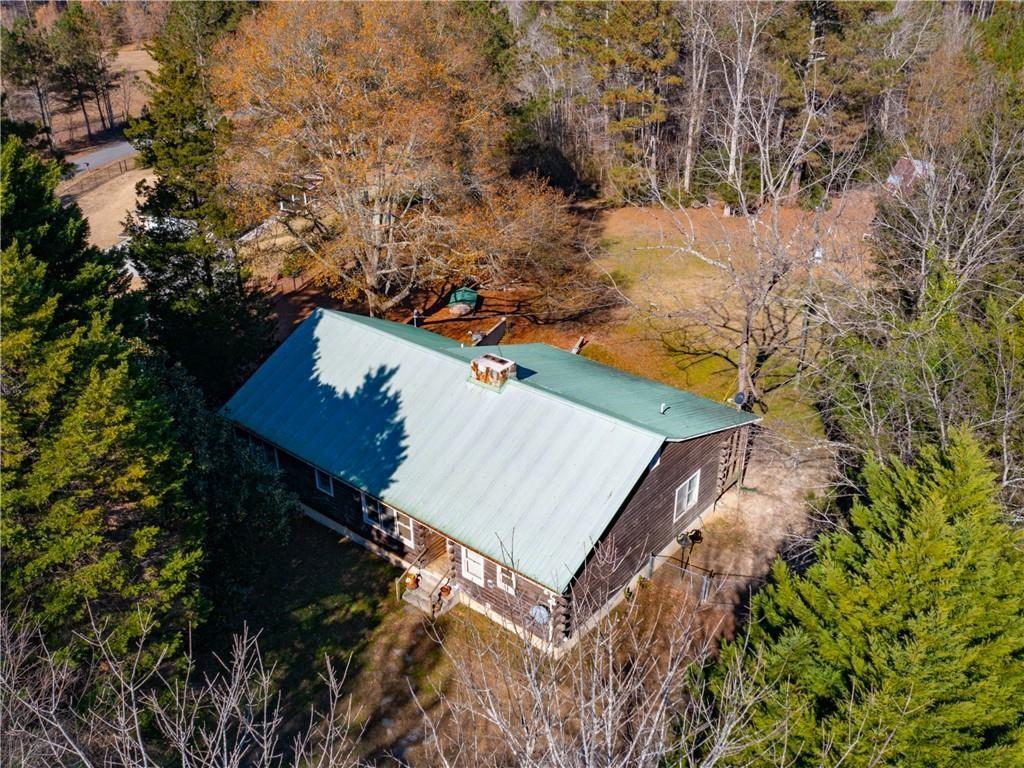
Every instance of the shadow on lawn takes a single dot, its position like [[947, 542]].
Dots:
[[322, 597]]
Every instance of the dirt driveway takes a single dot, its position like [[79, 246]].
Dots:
[[107, 206], [773, 513]]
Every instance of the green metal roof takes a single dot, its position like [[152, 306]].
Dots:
[[615, 393], [530, 476]]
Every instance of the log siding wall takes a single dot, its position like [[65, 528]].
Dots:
[[512, 607], [345, 507], [645, 524]]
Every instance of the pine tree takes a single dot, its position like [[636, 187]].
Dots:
[[80, 67], [630, 50], [203, 309], [123, 496], [27, 62], [101, 525], [905, 640], [49, 301], [57, 235], [178, 133], [93, 513], [247, 510]]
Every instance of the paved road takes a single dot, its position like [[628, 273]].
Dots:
[[105, 155]]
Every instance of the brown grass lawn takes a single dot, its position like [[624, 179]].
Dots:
[[107, 206], [639, 251]]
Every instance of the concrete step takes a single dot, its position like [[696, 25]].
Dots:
[[421, 596]]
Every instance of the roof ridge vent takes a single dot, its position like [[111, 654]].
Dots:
[[492, 371]]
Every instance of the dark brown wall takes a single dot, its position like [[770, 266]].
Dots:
[[345, 506], [515, 608], [644, 525]]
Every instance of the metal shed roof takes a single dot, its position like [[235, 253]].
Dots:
[[530, 476]]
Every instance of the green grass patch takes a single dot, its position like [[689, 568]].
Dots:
[[644, 262], [321, 597]]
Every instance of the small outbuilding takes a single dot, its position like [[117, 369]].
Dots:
[[906, 173], [463, 301]]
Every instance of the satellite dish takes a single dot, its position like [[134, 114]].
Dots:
[[740, 398], [540, 615]]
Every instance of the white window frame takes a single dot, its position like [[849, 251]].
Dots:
[[501, 572], [327, 487], [469, 555], [402, 520], [690, 496], [386, 518]]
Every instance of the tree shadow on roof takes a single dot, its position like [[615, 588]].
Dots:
[[359, 433], [321, 597], [370, 444]]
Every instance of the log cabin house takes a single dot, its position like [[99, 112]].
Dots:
[[494, 476]]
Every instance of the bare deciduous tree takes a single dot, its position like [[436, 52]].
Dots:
[[931, 339], [627, 693], [129, 713], [699, 38], [737, 45], [633, 691], [759, 324]]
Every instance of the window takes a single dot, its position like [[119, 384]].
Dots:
[[265, 450], [686, 495], [507, 580], [404, 528], [473, 566], [324, 482], [388, 519]]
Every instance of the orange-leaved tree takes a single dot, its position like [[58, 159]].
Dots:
[[379, 127]]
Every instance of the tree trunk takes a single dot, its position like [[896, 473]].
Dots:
[[734, 142], [207, 272], [99, 109], [85, 115], [44, 114], [741, 371], [794, 184], [110, 107], [692, 130]]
